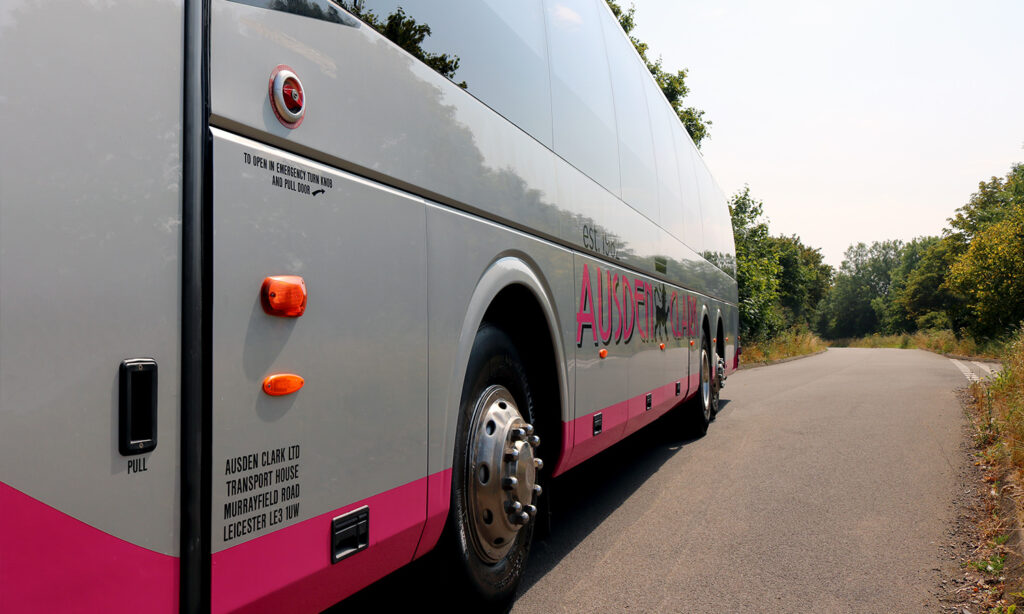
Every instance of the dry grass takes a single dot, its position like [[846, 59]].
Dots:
[[940, 341], [793, 342], [998, 406]]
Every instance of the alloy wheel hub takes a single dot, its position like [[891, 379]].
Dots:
[[502, 468]]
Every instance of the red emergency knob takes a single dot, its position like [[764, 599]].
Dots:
[[287, 98]]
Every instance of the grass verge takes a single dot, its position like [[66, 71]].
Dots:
[[939, 341], [998, 416], [793, 342]]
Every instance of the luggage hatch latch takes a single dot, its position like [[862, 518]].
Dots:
[[350, 533]]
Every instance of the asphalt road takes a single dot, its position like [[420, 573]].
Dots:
[[825, 485]]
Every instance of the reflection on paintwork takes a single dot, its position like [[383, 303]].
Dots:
[[394, 119], [502, 59]]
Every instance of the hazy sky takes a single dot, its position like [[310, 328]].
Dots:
[[854, 121]]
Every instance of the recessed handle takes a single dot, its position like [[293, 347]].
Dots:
[[137, 430]]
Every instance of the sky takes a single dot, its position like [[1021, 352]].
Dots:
[[855, 121]]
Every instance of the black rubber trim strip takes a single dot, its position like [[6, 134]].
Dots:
[[194, 587], [324, 10]]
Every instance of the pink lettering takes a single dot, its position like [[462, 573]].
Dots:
[[627, 310], [618, 306], [606, 333], [640, 296], [585, 313]]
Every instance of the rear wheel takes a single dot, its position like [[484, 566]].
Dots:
[[698, 413], [716, 382], [494, 476]]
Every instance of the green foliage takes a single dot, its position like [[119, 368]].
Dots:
[[757, 268], [993, 565], [990, 274], [673, 85], [804, 279], [912, 288], [993, 201], [857, 302]]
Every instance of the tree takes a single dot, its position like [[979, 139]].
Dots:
[[860, 290], [757, 268], [673, 85], [992, 202], [899, 314], [804, 279], [991, 275]]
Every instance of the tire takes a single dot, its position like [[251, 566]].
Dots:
[[716, 384], [700, 410], [487, 539]]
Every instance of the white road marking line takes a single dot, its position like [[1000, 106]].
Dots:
[[970, 375], [987, 369]]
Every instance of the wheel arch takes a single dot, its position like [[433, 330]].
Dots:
[[513, 295], [720, 335]]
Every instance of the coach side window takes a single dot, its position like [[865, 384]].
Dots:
[[495, 49], [692, 205], [636, 146], [662, 124], [581, 100]]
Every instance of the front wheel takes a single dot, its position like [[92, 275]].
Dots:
[[494, 475]]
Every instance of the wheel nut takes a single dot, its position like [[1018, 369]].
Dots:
[[528, 428], [518, 434], [537, 490], [538, 463], [524, 518], [511, 455], [513, 507], [531, 510], [534, 441], [515, 519], [509, 483]]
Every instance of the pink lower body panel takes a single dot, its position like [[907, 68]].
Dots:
[[618, 421], [51, 562], [291, 571], [439, 494]]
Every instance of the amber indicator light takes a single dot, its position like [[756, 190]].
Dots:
[[662, 346], [284, 295], [603, 353], [281, 384], [691, 341]]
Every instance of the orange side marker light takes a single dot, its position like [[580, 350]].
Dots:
[[691, 341], [283, 295], [603, 353], [280, 384], [662, 346]]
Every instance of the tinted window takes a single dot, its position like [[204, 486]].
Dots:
[[669, 198], [583, 113], [693, 229], [495, 49], [636, 149]]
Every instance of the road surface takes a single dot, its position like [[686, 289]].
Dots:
[[825, 485]]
